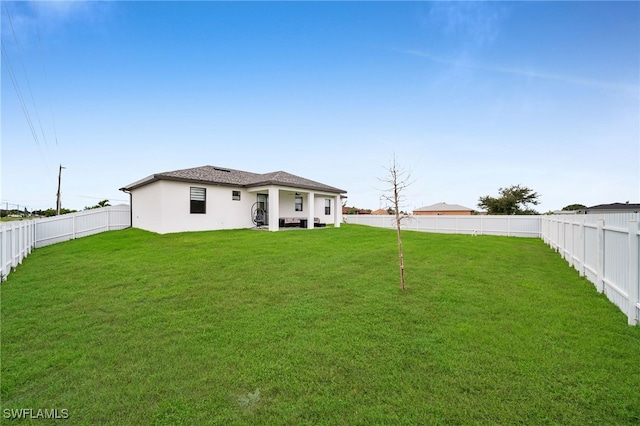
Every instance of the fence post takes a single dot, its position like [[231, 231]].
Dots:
[[34, 236], [560, 247], [21, 242], [18, 243], [633, 272], [2, 253], [581, 249], [568, 255], [600, 267]]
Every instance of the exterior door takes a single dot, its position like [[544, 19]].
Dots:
[[263, 205]]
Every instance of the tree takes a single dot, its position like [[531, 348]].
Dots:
[[513, 200], [398, 181], [103, 203], [51, 212], [573, 207]]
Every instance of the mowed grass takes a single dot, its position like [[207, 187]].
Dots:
[[310, 327]]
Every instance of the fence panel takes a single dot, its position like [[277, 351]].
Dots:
[[603, 248], [514, 226], [54, 230], [635, 273], [119, 217], [591, 252], [615, 275], [19, 238], [16, 242]]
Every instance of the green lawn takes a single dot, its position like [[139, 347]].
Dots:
[[310, 327]]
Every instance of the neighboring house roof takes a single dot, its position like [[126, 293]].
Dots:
[[380, 211], [441, 207], [613, 207], [231, 177]]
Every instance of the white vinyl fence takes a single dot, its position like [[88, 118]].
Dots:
[[19, 238], [511, 226], [604, 248]]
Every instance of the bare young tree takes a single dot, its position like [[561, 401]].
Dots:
[[398, 180]]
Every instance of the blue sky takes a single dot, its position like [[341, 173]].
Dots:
[[470, 96]]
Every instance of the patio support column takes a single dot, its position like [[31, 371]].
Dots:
[[337, 211], [311, 210], [274, 209]]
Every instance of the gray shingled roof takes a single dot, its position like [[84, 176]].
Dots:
[[615, 206], [231, 177]]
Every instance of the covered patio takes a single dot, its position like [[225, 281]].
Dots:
[[278, 207]]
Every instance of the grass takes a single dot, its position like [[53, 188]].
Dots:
[[310, 327]]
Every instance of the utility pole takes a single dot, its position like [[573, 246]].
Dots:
[[58, 203]]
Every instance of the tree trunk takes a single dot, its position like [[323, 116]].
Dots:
[[400, 253]]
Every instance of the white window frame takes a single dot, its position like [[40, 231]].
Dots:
[[199, 196]]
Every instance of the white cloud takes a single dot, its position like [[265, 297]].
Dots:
[[473, 22], [27, 19], [610, 88]]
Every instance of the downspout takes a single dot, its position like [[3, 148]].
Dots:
[[130, 206]]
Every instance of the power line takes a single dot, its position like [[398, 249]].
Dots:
[[25, 111], [95, 198], [24, 69], [16, 86], [6, 61], [44, 69]]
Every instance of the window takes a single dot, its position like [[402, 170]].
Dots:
[[298, 203], [327, 206], [198, 200], [235, 195]]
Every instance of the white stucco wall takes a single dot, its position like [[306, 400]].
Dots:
[[164, 206], [145, 207], [319, 205], [287, 204]]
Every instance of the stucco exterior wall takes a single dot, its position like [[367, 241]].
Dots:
[[319, 206], [287, 204], [145, 207], [164, 206]]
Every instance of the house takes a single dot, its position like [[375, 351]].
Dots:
[[444, 209], [612, 208], [210, 197], [382, 212]]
